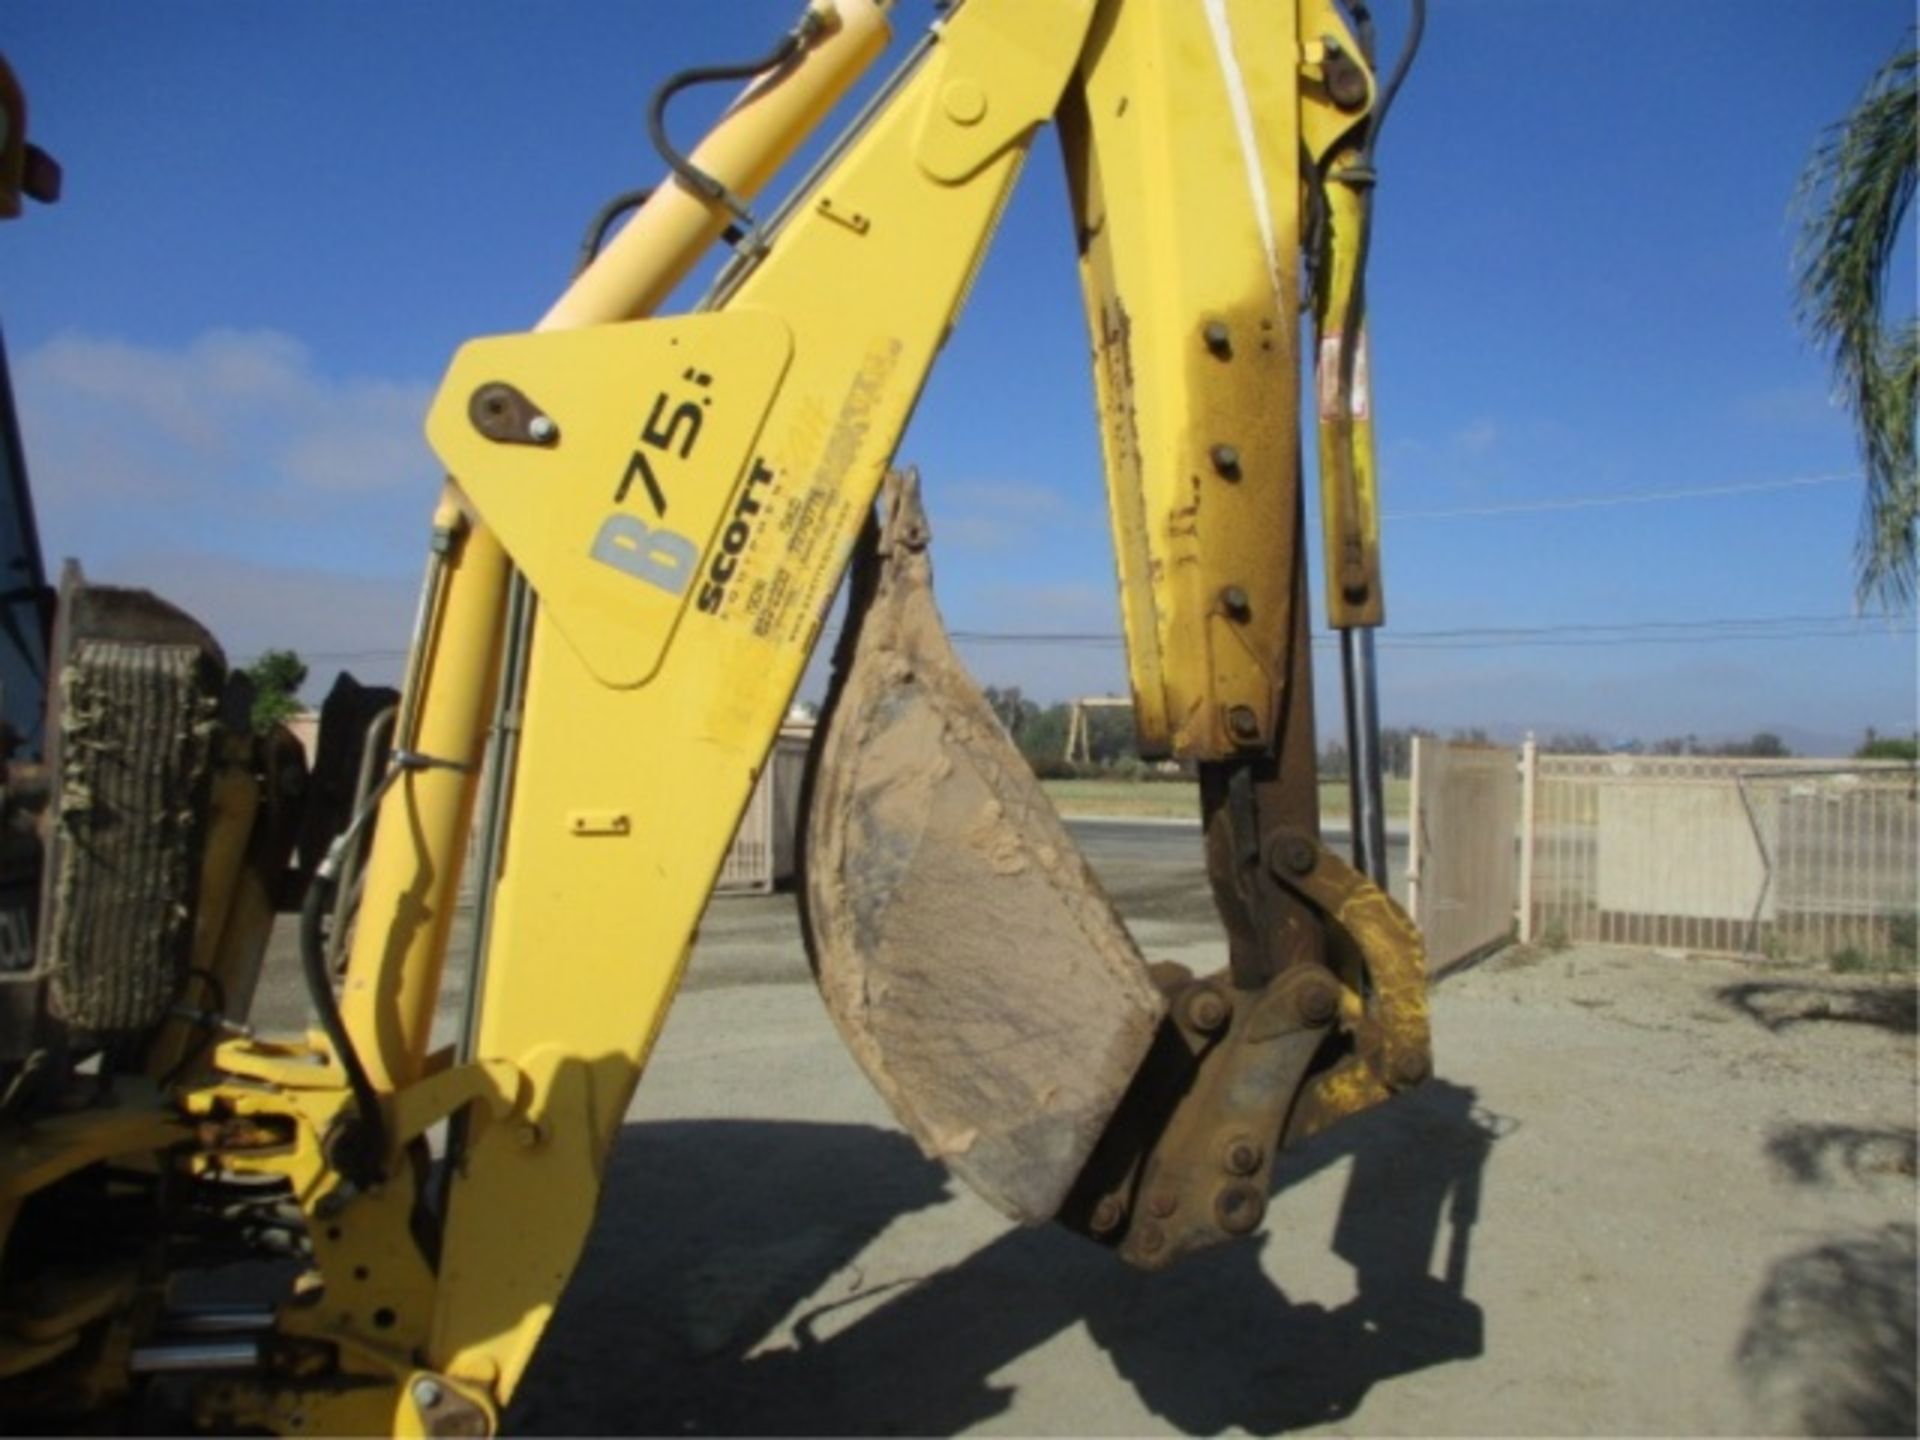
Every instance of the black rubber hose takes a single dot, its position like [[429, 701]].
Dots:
[[1416, 29], [1356, 292], [696, 179], [364, 1148], [619, 205], [602, 222]]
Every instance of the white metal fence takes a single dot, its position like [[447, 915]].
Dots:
[[1462, 825], [768, 839], [1791, 859]]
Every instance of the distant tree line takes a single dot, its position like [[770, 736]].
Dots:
[[1889, 747], [1763, 745], [1040, 732]]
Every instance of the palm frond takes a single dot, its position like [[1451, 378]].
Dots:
[[1853, 198]]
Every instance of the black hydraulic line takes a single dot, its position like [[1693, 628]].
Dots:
[[1362, 176], [602, 222], [621, 204], [691, 175], [362, 1150]]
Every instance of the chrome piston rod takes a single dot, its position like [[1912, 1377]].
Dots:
[[186, 1356], [1367, 801]]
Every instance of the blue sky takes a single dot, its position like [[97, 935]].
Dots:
[[281, 220]]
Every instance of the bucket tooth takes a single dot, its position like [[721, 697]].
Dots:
[[969, 957]]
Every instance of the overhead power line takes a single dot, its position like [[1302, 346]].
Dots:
[[1579, 633], [1572, 634], [1640, 497]]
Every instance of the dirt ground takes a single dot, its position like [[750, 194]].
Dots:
[[1644, 1195]]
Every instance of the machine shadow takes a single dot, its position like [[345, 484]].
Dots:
[[713, 1231]]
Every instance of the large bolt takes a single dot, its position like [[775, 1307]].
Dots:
[[1243, 724], [1241, 1155], [1346, 84], [1233, 599], [1238, 1207], [1219, 339], [1226, 461], [1206, 1010], [1297, 855], [1318, 1002], [1107, 1215]]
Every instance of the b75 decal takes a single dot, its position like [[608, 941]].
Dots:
[[651, 552]]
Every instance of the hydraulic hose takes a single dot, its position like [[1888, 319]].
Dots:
[[1362, 176], [362, 1149], [691, 175]]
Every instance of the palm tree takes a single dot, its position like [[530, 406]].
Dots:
[[1853, 197]]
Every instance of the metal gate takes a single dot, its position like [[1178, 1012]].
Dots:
[[1790, 859], [1462, 825]]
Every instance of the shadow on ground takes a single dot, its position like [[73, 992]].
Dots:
[[1829, 1345], [712, 1232], [1779, 1004], [1820, 1154]]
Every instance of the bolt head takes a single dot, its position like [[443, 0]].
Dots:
[[541, 429], [1226, 460], [1150, 1239], [1298, 856], [1243, 724], [1219, 339], [1233, 599], [1318, 1003], [1107, 1215], [1239, 1207], [1242, 1155], [426, 1392], [1207, 1010]]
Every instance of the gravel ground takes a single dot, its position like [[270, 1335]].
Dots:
[[1644, 1194]]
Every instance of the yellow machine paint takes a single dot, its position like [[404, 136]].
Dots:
[[676, 500]]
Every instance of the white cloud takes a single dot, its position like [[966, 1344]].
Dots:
[[281, 505], [233, 429], [1477, 438], [338, 622], [993, 515]]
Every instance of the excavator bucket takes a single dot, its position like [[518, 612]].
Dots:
[[970, 959]]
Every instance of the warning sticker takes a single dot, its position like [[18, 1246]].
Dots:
[[806, 533]]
